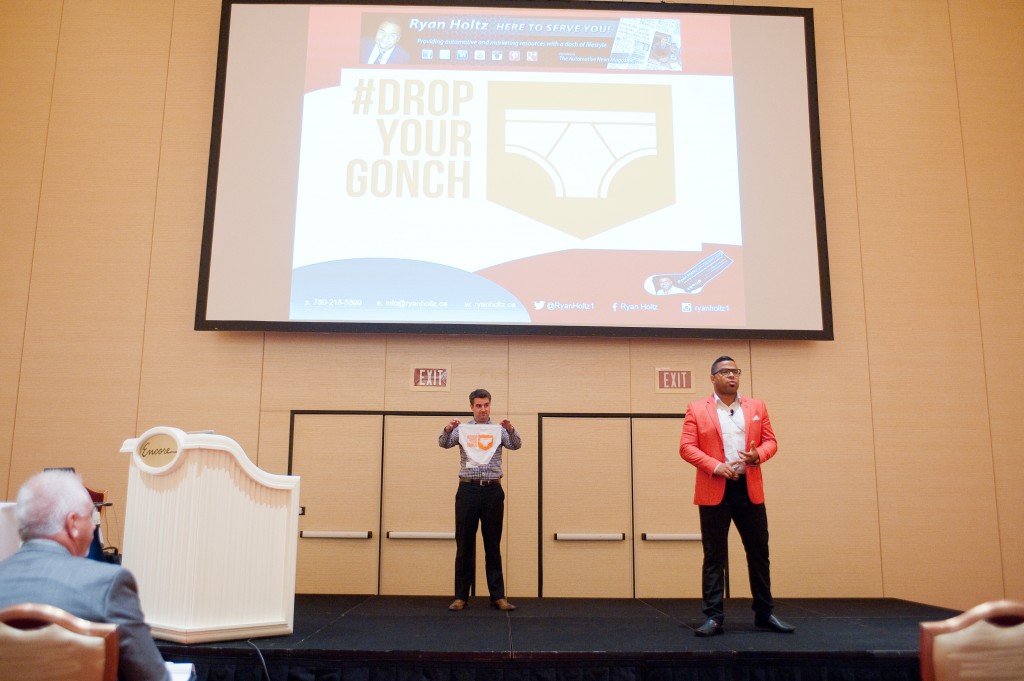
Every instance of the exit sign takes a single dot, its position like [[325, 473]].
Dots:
[[429, 378], [673, 381]]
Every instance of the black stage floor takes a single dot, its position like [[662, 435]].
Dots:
[[413, 638]]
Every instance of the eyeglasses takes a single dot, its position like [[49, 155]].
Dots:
[[728, 372]]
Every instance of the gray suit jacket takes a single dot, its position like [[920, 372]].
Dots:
[[42, 571]]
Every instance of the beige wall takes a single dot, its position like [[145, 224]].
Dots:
[[897, 473]]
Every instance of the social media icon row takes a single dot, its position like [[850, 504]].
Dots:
[[430, 54], [684, 307]]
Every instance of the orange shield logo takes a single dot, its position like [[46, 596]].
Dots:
[[484, 442]]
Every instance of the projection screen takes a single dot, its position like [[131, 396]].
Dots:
[[578, 168]]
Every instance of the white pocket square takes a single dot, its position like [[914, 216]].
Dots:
[[756, 418]]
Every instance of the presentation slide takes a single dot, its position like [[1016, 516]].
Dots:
[[483, 169]]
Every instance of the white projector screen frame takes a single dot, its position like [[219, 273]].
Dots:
[[537, 168]]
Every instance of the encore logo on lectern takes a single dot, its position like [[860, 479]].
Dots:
[[158, 451]]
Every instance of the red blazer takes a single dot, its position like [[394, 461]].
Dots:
[[701, 445]]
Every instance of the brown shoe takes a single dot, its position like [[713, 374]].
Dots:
[[457, 604], [502, 604]]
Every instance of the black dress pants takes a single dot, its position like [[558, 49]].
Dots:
[[483, 506], [752, 523]]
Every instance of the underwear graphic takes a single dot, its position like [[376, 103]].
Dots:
[[480, 441], [581, 151], [581, 158]]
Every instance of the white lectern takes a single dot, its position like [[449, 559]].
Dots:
[[210, 537], [10, 542]]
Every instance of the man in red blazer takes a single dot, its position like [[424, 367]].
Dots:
[[727, 437]]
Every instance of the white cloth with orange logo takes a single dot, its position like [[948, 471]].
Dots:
[[480, 441]]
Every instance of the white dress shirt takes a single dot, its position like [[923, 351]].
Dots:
[[734, 432]]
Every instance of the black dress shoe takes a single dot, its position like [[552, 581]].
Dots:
[[710, 628], [774, 623]]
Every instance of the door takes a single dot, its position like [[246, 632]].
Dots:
[[586, 514], [338, 458], [418, 515], [666, 531]]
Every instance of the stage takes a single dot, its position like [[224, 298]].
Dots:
[[409, 638]]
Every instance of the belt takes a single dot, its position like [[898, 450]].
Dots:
[[482, 482]]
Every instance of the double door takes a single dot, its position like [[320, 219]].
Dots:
[[617, 520], [379, 498]]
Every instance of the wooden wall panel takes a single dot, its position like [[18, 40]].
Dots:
[[921, 297], [339, 460], [988, 44], [79, 385], [314, 371], [192, 380], [586, 489], [820, 487], [29, 33], [647, 355], [573, 375], [819, 394], [475, 361]]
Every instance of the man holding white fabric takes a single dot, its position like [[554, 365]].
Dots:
[[480, 499]]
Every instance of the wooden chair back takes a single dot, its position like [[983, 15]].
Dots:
[[986, 643], [45, 643]]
